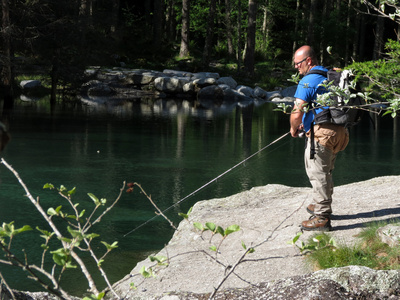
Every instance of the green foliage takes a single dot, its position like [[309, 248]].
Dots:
[[146, 272], [323, 252], [94, 297], [317, 242], [76, 238], [159, 259], [380, 78], [250, 250], [186, 216]]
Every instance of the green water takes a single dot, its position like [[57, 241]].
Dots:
[[172, 148]]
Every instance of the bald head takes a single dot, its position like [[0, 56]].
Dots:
[[307, 51]]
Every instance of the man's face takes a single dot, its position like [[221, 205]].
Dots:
[[300, 62]]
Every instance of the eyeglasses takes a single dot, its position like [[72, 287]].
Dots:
[[296, 64]]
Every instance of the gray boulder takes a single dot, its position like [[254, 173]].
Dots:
[[245, 90], [202, 75], [228, 81], [30, 84], [289, 91], [170, 84], [260, 93], [211, 92], [203, 82]]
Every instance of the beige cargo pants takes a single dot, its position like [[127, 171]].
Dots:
[[329, 139]]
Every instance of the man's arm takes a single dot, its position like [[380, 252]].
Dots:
[[297, 116]]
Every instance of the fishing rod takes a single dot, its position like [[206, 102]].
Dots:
[[208, 183]]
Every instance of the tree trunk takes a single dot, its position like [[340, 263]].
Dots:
[[251, 39], [361, 48], [7, 76], [380, 25], [322, 45], [210, 35], [114, 16], [239, 44], [83, 21], [338, 36], [228, 25], [356, 36], [296, 26], [171, 21], [184, 50], [305, 13], [55, 76], [348, 43], [157, 23], [310, 34]]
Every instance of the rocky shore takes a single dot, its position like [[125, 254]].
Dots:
[[269, 217], [207, 88]]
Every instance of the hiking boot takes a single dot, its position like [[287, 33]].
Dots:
[[317, 223], [310, 209]]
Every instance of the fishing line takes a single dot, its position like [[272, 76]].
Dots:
[[208, 183]]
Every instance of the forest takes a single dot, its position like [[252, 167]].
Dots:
[[246, 39]]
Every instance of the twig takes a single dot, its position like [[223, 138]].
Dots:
[[3, 281], [85, 271], [159, 210], [240, 260]]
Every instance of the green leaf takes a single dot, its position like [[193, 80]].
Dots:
[[44, 246], [62, 189], [159, 259], [60, 256], [213, 248], [91, 236], [48, 186], [71, 192], [199, 226], [211, 226], [295, 239], [94, 297], [52, 212], [110, 247], [22, 229], [76, 234], [231, 229], [220, 230], [244, 245], [46, 234], [146, 273], [95, 199], [185, 216]]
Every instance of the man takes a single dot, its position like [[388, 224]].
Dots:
[[328, 140]]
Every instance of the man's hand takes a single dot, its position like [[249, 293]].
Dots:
[[295, 132]]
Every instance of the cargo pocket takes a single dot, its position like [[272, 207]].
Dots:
[[325, 137]]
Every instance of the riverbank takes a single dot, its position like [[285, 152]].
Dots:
[[269, 217]]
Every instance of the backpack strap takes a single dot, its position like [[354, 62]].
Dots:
[[319, 72], [312, 144]]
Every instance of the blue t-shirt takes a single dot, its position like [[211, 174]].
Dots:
[[307, 90]]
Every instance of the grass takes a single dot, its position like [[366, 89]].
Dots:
[[369, 251]]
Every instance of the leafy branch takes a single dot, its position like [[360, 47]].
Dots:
[[64, 257]]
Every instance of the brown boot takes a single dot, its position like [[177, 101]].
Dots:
[[317, 223], [310, 209]]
